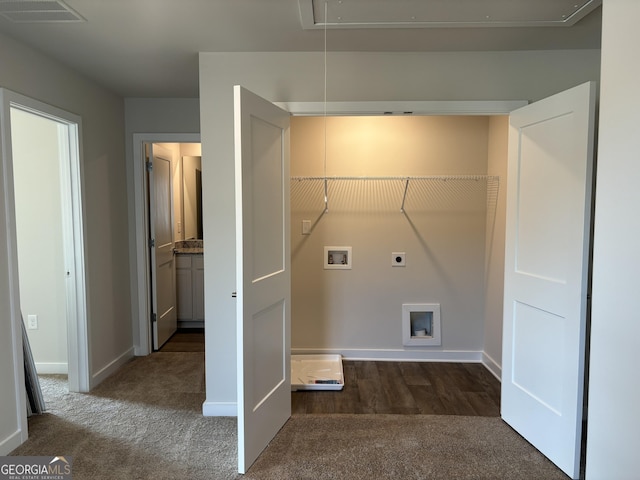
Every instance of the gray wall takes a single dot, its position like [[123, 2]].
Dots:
[[614, 419], [151, 115], [286, 76], [109, 314]]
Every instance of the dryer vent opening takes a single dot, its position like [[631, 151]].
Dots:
[[421, 324]]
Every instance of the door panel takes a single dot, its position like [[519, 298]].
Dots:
[[163, 274], [264, 281], [267, 222], [268, 327], [544, 176], [546, 272], [530, 330]]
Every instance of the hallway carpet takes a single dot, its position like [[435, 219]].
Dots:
[[145, 422]]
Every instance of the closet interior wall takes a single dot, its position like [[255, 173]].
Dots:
[[445, 229]]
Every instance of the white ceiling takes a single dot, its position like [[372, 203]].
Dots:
[[149, 48]]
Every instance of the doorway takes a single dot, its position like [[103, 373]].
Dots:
[[426, 187], [143, 290], [583, 94], [43, 160], [581, 141], [36, 168]]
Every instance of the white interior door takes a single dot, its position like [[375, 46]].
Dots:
[[546, 272], [263, 272], [163, 274]]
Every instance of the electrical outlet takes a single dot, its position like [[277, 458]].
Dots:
[[398, 259], [306, 227], [32, 322]]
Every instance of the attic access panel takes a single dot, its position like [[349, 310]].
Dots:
[[443, 13]]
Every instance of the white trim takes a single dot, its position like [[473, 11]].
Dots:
[[140, 281], [220, 409], [396, 355], [111, 367], [73, 233], [12, 442], [49, 368], [492, 366], [20, 413], [474, 107]]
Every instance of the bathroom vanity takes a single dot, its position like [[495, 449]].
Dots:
[[190, 283]]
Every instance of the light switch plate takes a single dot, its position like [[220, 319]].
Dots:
[[306, 227]]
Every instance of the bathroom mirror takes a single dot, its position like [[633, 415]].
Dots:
[[192, 197]]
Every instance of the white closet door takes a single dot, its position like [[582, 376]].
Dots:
[[263, 273], [546, 272]]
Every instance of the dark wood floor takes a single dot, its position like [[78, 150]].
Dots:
[[411, 388], [407, 388], [185, 340]]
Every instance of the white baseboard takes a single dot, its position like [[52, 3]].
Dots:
[[10, 443], [409, 355], [220, 409], [52, 368], [111, 367], [492, 366]]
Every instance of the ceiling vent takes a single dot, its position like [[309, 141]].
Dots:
[[38, 11], [443, 13]]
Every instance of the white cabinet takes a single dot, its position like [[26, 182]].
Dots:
[[197, 275], [184, 285], [190, 287]]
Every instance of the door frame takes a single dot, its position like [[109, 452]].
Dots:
[[141, 279], [73, 219]]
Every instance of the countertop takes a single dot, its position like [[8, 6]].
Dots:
[[189, 247], [189, 251]]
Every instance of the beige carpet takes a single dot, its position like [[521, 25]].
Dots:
[[400, 447], [145, 422]]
